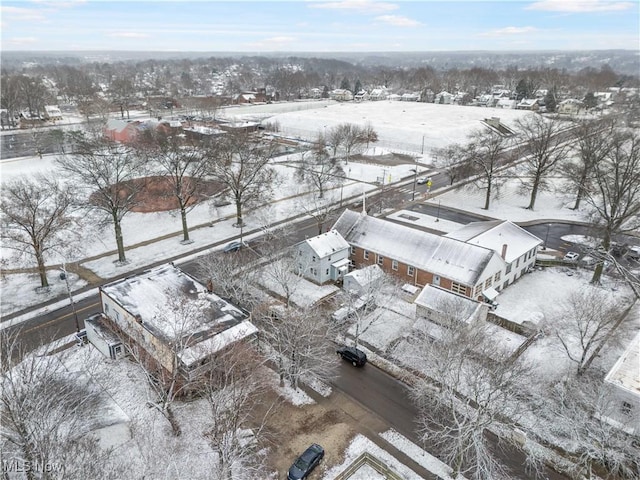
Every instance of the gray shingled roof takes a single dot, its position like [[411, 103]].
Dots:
[[447, 257]]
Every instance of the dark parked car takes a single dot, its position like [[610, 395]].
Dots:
[[357, 357], [306, 462]]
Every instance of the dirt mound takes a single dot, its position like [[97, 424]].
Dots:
[[156, 194]]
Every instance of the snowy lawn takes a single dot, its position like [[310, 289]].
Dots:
[[511, 203], [428, 124]]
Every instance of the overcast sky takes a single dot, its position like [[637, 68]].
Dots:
[[319, 26]]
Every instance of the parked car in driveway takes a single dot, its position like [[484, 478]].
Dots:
[[353, 355], [234, 246], [306, 462]]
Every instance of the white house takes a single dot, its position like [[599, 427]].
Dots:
[[173, 318], [53, 112], [528, 104], [444, 98], [323, 258], [516, 246], [624, 379], [341, 95], [570, 106]]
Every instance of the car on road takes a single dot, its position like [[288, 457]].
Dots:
[[571, 256], [234, 246], [306, 462], [422, 180], [353, 355]]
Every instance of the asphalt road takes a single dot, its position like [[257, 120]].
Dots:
[[389, 398]]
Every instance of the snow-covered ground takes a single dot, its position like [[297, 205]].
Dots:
[[411, 123]]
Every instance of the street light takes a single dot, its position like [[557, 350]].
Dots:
[[63, 267]]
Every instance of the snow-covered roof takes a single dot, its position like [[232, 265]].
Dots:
[[327, 243], [218, 342], [440, 300], [156, 294], [114, 124], [495, 234], [364, 276], [625, 373], [450, 258]]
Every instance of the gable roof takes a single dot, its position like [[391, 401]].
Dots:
[[327, 243], [447, 257], [495, 234]]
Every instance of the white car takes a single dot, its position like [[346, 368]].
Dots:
[[571, 256]]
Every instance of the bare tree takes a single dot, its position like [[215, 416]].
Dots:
[[615, 199], [285, 274], [587, 321], [593, 146], [37, 217], [320, 209], [453, 162], [110, 174], [544, 148], [471, 387], [297, 341], [318, 169], [184, 165], [581, 410], [242, 164], [229, 276], [43, 407], [365, 304], [485, 153], [234, 391]]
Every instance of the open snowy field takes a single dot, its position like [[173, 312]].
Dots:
[[422, 125]]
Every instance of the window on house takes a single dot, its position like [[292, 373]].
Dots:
[[380, 259], [508, 269], [353, 250], [505, 284], [366, 254], [626, 408], [458, 288], [394, 265], [299, 253], [487, 284], [313, 259], [410, 270], [117, 349], [106, 307], [327, 272], [352, 264], [117, 316], [496, 278], [517, 263], [436, 280]]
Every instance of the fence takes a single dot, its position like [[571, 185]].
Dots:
[[311, 135]]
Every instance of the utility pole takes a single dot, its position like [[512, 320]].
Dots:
[[63, 267]]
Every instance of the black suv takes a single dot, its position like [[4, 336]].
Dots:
[[306, 462], [357, 357]]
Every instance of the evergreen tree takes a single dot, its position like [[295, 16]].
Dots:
[[590, 100], [357, 87], [325, 92], [550, 100], [345, 84]]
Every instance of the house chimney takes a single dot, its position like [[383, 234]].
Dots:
[[504, 251]]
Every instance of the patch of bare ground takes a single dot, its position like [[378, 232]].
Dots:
[[390, 159], [293, 428]]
